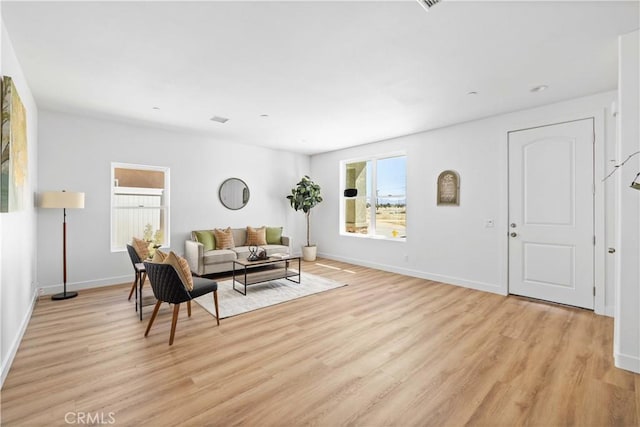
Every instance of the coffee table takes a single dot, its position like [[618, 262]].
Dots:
[[248, 274]]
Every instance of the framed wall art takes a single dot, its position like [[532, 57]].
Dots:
[[449, 188], [13, 149]]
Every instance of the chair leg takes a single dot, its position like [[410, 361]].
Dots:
[[133, 287], [215, 302], [153, 317], [143, 277], [174, 322]]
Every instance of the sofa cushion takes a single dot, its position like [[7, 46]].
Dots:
[[206, 238], [239, 236], [219, 255], [256, 236], [224, 238], [274, 235], [275, 249], [242, 252]]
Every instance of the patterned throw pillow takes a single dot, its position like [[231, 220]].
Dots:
[[256, 236], [141, 247], [182, 268], [274, 235], [159, 257], [224, 238]]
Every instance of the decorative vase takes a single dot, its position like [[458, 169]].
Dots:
[[309, 253], [253, 253]]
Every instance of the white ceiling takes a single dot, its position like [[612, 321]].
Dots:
[[329, 74]]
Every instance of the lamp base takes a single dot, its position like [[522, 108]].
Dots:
[[64, 295]]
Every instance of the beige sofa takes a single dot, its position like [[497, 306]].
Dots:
[[218, 260]]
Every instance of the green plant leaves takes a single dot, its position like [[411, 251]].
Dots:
[[305, 195]]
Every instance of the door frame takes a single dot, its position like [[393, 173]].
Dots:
[[599, 217]]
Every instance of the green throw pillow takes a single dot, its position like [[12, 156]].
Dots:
[[274, 235], [207, 239]]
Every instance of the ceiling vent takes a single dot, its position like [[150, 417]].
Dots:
[[428, 4], [219, 119]]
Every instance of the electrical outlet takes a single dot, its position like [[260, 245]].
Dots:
[[40, 291]]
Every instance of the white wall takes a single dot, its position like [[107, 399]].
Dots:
[[451, 244], [627, 321], [18, 231], [76, 155]]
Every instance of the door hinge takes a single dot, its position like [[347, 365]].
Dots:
[[594, 291], [594, 240]]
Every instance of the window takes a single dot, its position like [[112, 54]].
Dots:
[[139, 204], [375, 197]]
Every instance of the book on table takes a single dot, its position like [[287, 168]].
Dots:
[[280, 256]]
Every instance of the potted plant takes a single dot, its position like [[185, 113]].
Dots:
[[304, 196], [154, 242]]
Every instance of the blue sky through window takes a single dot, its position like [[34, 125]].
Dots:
[[392, 180]]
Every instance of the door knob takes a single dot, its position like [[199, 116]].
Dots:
[[513, 234], [513, 225], [612, 250]]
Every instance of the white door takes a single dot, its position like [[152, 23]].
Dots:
[[551, 219]]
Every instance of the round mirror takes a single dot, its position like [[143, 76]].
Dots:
[[234, 194]]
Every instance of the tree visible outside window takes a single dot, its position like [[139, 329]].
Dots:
[[382, 213], [139, 204]]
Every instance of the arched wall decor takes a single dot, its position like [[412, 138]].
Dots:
[[449, 188]]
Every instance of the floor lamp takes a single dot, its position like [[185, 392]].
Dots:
[[63, 200]]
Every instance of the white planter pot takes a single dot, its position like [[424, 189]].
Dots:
[[309, 253]]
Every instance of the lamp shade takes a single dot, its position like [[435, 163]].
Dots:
[[62, 199]]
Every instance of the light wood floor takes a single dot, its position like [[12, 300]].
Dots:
[[385, 350]]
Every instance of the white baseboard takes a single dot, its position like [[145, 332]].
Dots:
[[450, 280], [6, 365], [625, 361], [610, 311], [78, 286]]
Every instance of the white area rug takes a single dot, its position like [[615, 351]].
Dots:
[[260, 295]]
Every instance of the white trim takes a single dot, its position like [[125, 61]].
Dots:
[[6, 366], [599, 211], [166, 206], [372, 232], [136, 166], [503, 214], [625, 361], [89, 284], [138, 190], [449, 280], [373, 237], [610, 311]]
